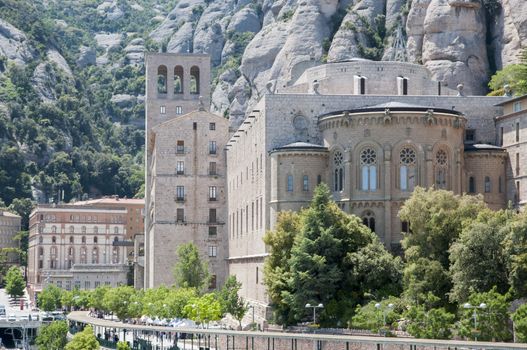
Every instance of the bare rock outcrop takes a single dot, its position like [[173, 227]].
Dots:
[[14, 44], [350, 36], [52, 77], [457, 55], [509, 33]]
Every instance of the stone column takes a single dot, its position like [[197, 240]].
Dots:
[[387, 194]]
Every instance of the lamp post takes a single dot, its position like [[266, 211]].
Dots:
[[378, 306], [481, 306], [315, 307]]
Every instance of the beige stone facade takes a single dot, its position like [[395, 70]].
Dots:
[[74, 246], [511, 135], [185, 179], [372, 131], [10, 225]]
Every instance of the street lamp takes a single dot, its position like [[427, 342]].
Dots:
[[378, 306], [475, 315], [315, 307]]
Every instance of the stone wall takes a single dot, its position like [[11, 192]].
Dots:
[[196, 180]]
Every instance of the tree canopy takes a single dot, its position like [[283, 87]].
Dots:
[[52, 336], [15, 283], [190, 271]]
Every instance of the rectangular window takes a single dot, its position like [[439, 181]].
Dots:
[[180, 193], [213, 231], [257, 214], [213, 250], [212, 147], [501, 136], [404, 226], [212, 126], [517, 131], [517, 164], [180, 168], [289, 183], [518, 191], [77, 285], [212, 216], [212, 168], [252, 216], [97, 284], [470, 136], [305, 183], [212, 193], [180, 147], [403, 174], [179, 110], [517, 106], [87, 284], [163, 110], [500, 188], [471, 185], [180, 215]]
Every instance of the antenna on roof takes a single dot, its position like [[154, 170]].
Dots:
[[399, 46]]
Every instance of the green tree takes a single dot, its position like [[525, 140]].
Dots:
[[84, 340], [477, 257], [376, 316], [514, 75], [15, 283], [230, 301], [120, 301], [23, 207], [515, 251], [519, 317], [277, 270], [204, 309], [176, 301], [492, 321], [122, 345], [96, 298], [52, 336], [190, 271], [322, 257], [50, 298], [429, 323], [436, 219], [154, 301]]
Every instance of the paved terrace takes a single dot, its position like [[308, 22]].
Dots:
[[227, 339]]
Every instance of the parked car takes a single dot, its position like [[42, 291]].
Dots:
[[11, 318]]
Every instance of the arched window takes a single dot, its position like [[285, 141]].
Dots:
[[368, 166], [40, 251], [338, 164], [72, 230], [95, 229], [116, 239], [71, 239], [178, 80], [441, 169], [95, 256], [83, 230], [83, 255], [471, 185], [53, 229], [162, 79], [407, 169], [368, 219], [95, 240], [487, 184], [116, 229], [53, 239], [194, 80], [83, 239], [115, 255], [71, 257]]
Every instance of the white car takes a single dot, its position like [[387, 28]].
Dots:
[[23, 318], [11, 318]]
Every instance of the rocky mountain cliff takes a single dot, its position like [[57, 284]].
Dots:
[[93, 50]]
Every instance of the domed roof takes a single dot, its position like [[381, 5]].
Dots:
[[300, 146]]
